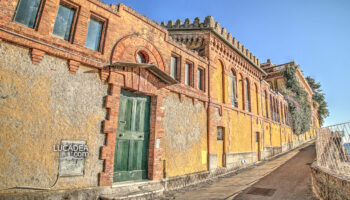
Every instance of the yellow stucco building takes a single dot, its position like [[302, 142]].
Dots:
[[171, 104]]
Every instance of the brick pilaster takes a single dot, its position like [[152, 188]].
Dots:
[[110, 129]]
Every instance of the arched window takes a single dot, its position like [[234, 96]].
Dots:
[[141, 57], [247, 95], [282, 113], [285, 115], [278, 111], [257, 98], [233, 89], [241, 81], [275, 108], [271, 108], [266, 106], [218, 78], [270, 83]]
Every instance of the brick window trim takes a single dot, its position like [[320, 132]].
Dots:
[[37, 18], [145, 53], [222, 136], [248, 95], [178, 66], [104, 21], [76, 8], [190, 73], [233, 70], [202, 80]]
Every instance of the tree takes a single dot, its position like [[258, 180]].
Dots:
[[319, 98]]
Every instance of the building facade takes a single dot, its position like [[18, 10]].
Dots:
[[175, 103]]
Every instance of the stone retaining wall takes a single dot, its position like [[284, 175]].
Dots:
[[326, 185]]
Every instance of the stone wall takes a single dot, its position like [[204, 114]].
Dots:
[[240, 160], [40, 105], [326, 185]]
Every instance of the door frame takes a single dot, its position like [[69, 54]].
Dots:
[[132, 95], [152, 87]]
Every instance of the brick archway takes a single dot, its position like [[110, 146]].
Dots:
[[137, 80], [124, 50]]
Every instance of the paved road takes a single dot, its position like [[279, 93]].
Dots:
[[290, 181], [285, 177]]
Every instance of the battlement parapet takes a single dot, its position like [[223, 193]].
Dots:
[[209, 23]]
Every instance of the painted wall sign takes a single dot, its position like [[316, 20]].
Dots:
[[72, 157]]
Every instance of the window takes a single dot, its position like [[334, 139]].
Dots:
[[93, 37], [257, 98], [26, 12], [142, 57], [64, 22], [266, 104], [200, 79], [282, 114], [247, 95], [233, 89], [274, 110], [188, 74], [220, 133], [285, 115], [278, 112], [271, 109], [174, 67]]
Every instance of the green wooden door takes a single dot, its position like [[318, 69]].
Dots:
[[131, 151]]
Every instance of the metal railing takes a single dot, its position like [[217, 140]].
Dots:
[[333, 148]]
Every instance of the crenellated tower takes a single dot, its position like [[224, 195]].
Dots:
[[196, 36]]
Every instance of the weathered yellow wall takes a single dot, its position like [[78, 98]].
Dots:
[[275, 134], [257, 129], [185, 141], [220, 152], [267, 135], [237, 133], [40, 106], [289, 134], [240, 133]]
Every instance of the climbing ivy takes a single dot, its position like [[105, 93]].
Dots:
[[298, 101]]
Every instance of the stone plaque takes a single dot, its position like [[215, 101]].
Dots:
[[157, 143], [72, 157]]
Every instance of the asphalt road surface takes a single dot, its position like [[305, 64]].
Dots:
[[292, 180]]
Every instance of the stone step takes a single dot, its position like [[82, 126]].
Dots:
[[137, 190]]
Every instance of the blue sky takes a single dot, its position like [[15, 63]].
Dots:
[[314, 33]]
